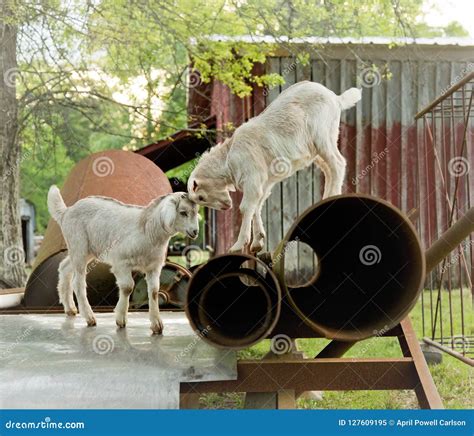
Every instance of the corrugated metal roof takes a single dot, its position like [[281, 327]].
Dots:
[[370, 40]]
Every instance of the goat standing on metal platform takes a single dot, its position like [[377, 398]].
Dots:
[[300, 127], [128, 238]]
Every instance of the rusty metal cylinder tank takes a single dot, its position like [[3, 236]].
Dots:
[[123, 175], [233, 301], [370, 267]]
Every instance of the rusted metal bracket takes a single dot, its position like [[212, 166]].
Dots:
[[285, 376]]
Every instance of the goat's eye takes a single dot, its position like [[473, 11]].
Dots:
[[201, 198], [182, 213]]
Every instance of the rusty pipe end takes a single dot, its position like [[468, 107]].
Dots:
[[233, 301]]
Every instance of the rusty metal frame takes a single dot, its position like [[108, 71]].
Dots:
[[287, 376], [278, 380]]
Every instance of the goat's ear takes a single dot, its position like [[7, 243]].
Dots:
[[168, 214], [195, 185]]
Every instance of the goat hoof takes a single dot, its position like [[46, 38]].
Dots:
[[157, 327], [91, 322], [71, 312], [256, 246], [121, 320]]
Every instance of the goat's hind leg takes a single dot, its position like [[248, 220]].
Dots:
[[65, 292], [333, 165], [80, 288], [125, 284], [258, 230], [327, 175]]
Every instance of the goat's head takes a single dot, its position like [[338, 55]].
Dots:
[[179, 214], [210, 192]]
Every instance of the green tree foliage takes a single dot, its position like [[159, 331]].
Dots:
[[113, 73]]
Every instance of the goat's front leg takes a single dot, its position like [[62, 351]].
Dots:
[[125, 284], [258, 230], [248, 207], [153, 286]]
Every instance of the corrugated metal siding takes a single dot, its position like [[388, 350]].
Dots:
[[379, 138]]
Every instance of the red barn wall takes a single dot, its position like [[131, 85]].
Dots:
[[384, 146]]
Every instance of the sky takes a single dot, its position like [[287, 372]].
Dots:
[[441, 12]]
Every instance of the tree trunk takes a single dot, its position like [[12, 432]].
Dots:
[[12, 266]]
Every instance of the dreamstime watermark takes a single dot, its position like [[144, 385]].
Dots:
[[281, 167], [466, 70], [19, 160], [370, 255], [103, 166], [192, 78], [20, 338], [281, 344], [459, 166], [376, 158], [190, 347], [376, 334], [194, 254], [14, 255], [278, 257], [103, 344], [46, 424], [370, 77], [101, 257], [187, 172], [287, 70], [10, 77], [455, 258]]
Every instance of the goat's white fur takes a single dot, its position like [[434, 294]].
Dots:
[[298, 128], [128, 238]]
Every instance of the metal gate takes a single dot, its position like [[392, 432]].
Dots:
[[445, 192]]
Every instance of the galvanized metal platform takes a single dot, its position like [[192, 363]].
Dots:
[[50, 361]]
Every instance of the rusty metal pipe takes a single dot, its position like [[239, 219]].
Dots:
[[370, 271], [450, 351], [233, 301], [449, 240], [335, 349], [370, 267]]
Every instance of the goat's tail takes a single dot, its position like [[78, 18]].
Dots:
[[349, 98], [56, 205]]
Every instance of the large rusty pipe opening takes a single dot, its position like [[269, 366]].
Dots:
[[370, 267], [233, 301]]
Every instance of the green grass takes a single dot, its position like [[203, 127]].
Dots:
[[453, 378]]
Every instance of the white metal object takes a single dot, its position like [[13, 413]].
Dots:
[[49, 361]]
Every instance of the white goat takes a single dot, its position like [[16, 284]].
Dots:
[[298, 128], [128, 238]]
